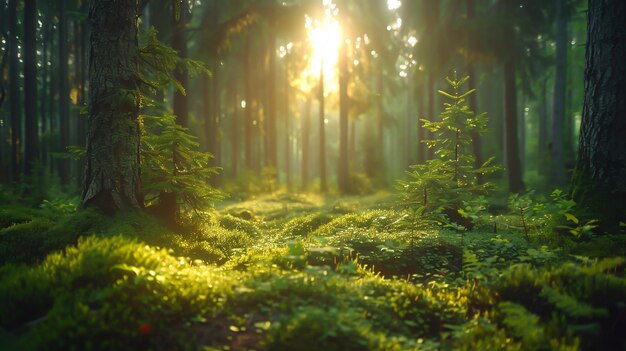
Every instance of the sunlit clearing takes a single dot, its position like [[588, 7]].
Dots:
[[325, 38]]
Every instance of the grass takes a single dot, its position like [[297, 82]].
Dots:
[[300, 272]]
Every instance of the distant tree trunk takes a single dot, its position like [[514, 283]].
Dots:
[[4, 167], [14, 91], [343, 176], [558, 114], [542, 147], [473, 101], [179, 43], [270, 116], [248, 108], [43, 96], [407, 126], [113, 135], [430, 114], [306, 148], [514, 170], [64, 93], [30, 86], [476, 139], [599, 182], [380, 135], [287, 127], [214, 120], [234, 128], [421, 131], [322, 133], [353, 139]]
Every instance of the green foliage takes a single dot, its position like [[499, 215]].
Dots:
[[444, 184], [173, 164]]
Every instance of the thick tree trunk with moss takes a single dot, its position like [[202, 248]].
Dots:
[[112, 179], [599, 183]]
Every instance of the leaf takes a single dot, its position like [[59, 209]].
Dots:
[[571, 217]]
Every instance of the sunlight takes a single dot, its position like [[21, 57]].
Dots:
[[325, 37]]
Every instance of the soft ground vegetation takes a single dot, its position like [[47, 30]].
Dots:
[[304, 272]]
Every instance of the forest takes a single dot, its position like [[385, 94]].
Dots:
[[344, 175]]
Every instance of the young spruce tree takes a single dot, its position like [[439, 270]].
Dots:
[[448, 184]]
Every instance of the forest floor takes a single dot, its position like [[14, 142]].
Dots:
[[303, 272]]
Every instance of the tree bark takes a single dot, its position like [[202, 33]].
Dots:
[[248, 108], [599, 182], [306, 148], [64, 94], [14, 92], [30, 87], [234, 129], [514, 170], [287, 126], [343, 176], [542, 147], [270, 116], [473, 101], [322, 133], [112, 179], [179, 43], [558, 113]]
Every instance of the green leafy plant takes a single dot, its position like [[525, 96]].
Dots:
[[444, 184]]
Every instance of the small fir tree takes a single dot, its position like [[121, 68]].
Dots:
[[447, 186], [175, 174]]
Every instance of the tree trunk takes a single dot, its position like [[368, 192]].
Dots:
[[30, 87], [322, 133], [473, 101], [43, 96], [64, 94], [542, 147], [514, 171], [270, 116], [14, 92], [287, 127], [113, 135], [421, 131], [179, 43], [234, 129], [306, 149], [343, 176], [248, 107], [599, 182], [558, 113], [214, 121]]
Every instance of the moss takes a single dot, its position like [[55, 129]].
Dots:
[[11, 215]]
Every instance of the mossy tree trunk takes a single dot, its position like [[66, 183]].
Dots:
[[112, 179], [599, 182]]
